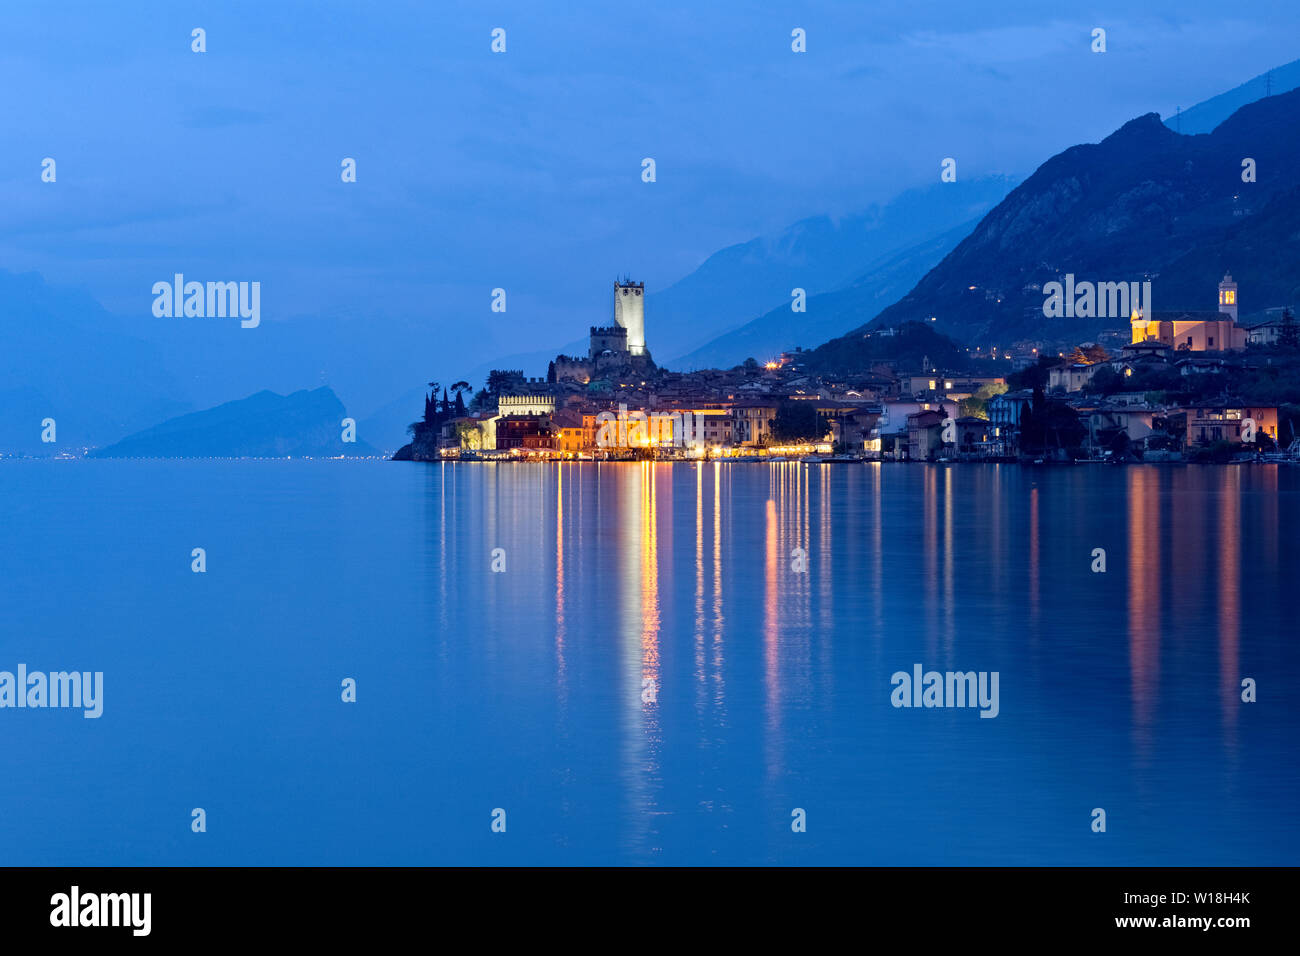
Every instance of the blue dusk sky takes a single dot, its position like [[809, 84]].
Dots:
[[523, 170]]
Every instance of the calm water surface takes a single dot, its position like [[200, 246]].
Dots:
[[523, 690]]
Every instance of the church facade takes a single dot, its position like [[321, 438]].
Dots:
[[1207, 331]]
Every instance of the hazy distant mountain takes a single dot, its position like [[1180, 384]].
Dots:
[[1143, 202], [1204, 117], [831, 313], [22, 410], [265, 425], [743, 282], [62, 356]]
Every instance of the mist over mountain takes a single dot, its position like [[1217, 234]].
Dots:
[[62, 356], [1145, 202], [1205, 116], [745, 282], [830, 313]]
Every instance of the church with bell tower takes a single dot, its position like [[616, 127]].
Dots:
[[1208, 331]]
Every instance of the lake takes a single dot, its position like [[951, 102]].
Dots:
[[674, 663]]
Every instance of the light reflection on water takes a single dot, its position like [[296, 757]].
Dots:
[[651, 680]]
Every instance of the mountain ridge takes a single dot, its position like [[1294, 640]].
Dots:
[[305, 423], [1124, 209]]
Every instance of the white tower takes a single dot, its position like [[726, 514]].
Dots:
[[1228, 296], [629, 312]]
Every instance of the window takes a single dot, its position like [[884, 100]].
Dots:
[[1209, 343]]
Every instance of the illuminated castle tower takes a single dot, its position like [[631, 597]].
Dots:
[[629, 312], [1228, 296], [617, 351]]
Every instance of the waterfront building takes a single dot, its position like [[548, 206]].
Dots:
[[924, 434], [979, 438], [894, 414], [477, 432], [524, 432], [855, 431], [1225, 422], [752, 421], [569, 434], [1109, 419], [708, 423], [1005, 410]]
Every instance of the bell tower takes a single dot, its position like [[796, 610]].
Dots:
[[1139, 324], [1228, 296]]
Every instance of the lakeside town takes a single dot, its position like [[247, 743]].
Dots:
[[1177, 386]]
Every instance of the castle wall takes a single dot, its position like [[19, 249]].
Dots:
[[613, 339], [572, 369]]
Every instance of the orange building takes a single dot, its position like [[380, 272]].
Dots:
[[1211, 423], [567, 426]]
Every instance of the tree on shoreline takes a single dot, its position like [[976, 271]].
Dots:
[[795, 421], [1048, 425], [439, 410], [459, 389]]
